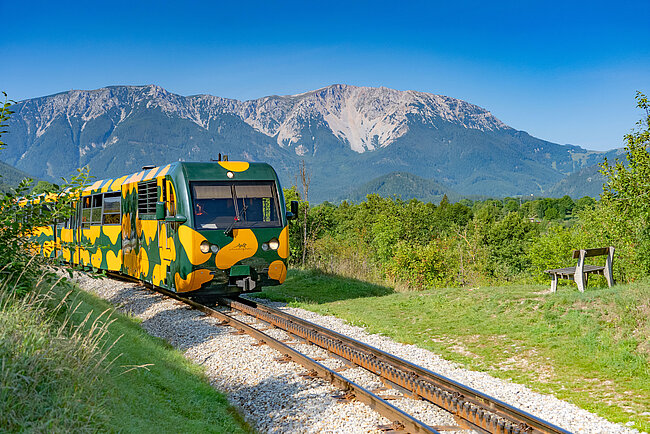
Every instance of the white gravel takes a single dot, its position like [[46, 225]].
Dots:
[[273, 397]]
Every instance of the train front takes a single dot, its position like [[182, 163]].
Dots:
[[236, 237]]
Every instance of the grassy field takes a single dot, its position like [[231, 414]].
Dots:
[[591, 349], [152, 388], [141, 385]]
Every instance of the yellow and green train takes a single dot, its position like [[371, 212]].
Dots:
[[217, 228]]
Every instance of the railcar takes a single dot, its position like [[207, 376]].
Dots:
[[205, 229]]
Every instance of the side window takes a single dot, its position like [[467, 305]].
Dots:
[[96, 215], [112, 208], [86, 206], [171, 199]]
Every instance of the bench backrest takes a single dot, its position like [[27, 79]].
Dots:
[[592, 252]]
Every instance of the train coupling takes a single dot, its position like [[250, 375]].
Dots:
[[246, 284]]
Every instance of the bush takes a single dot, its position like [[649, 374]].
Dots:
[[423, 267]]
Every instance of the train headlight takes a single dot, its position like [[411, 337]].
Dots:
[[205, 247], [274, 244], [214, 248]]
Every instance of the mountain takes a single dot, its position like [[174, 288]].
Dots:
[[403, 185], [347, 136], [10, 177], [587, 181]]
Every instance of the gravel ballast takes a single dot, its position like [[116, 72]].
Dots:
[[274, 397]]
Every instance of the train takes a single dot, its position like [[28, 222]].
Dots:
[[207, 229]]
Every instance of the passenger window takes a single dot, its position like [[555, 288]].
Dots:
[[86, 206], [112, 209]]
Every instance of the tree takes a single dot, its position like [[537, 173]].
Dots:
[[44, 187], [305, 180], [622, 216], [628, 186], [5, 113], [20, 215]]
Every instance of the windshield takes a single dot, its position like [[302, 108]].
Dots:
[[248, 204]]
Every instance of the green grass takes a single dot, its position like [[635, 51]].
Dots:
[[48, 373], [69, 372], [591, 349], [151, 387]]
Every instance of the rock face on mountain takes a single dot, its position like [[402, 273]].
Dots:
[[347, 135]]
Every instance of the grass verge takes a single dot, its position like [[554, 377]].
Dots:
[[589, 348], [128, 382]]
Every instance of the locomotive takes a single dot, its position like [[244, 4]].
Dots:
[[204, 229]]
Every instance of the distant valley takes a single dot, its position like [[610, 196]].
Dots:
[[354, 140]]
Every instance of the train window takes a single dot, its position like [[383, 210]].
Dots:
[[257, 203], [212, 192], [86, 205], [219, 205], [171, 200], [96, 216], [91, 212], [214, 205], [147, 197], [112, 208]]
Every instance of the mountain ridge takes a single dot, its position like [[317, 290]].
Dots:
[[347, 135]]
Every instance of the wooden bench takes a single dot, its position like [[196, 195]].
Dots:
[[580, 273]]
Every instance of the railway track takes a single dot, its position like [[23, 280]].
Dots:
[[473, 410]]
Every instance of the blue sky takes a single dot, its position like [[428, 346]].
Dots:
[[563, 71]]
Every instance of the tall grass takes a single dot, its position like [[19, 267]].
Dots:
[[49, 366]]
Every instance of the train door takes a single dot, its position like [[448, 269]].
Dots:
[[129, 236], [167, 232]]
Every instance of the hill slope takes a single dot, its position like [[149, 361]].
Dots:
[[403, 185], [10, 177]]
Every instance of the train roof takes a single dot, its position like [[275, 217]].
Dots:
[[192, 170]]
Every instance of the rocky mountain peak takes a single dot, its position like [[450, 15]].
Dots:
[[364, 118]]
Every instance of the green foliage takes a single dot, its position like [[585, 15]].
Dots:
[[44, 187], [5, 114], [553, 250], [623, 214], [507, 242], [423, 267], [20, 214], [628, 186]]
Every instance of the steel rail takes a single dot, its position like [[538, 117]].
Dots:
[[401, 421], [478, 410]]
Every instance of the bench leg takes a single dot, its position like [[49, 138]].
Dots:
[[554, 283], [609, 277], [580, 281]]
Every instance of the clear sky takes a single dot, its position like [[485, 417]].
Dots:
[[565, 71]]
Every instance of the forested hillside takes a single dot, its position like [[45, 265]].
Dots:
[[10, 177]]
